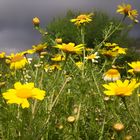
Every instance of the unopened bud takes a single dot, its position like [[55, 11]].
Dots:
[[118, 127], [58, 40], [36, 22], [71, 119]]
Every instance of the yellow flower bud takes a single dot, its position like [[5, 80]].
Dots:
[[118, 127], [36, 21], [58, 40], [128, 137], [71, 119]]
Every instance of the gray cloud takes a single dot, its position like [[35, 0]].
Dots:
[[16, 30]]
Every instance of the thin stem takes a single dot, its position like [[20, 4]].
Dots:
[[102, 131], [135, 121], [114, 60], [51, 108], [109, 34], [103, 66], [83, 42], [98, 89]]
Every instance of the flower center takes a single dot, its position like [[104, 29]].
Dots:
[[24, 93], [126, 11], [17, 58], [39, 48], [137, 69], [91, 56], [113, 72], [81, 17], [121, 90], [69, 48]]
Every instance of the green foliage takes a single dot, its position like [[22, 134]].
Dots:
[[62, 27], [95, 30]]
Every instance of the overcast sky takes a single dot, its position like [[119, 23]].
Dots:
[[16, 30]]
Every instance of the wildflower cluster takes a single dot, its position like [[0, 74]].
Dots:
[[70, 90]]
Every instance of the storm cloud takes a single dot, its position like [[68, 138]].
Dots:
[[16, 30]]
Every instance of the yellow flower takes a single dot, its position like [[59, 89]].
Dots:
[[52, 67], [79, 65], [89, 49], [92, 57], [36, 21], [39, 48], [30, 51], [82, 19], [111, 75], [16, 61], [135, 67], [110, 45], [71, 48], [119, 50], [120, 88], [58, 57], [133, 15], [126, 10], [109, 53], [2, 54], [21, 92], [58, 40]]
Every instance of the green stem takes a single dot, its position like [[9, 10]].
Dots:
[[97, 47], [59, 73], [103, 66], [114, 60], [102, 131], [50, 110], [132, 117], [98, 89], [83, 42]]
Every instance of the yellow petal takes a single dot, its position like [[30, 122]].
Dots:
[[25, 103], [17, 85]]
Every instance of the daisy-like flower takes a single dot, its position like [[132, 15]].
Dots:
[[36, 21], [16, 61], [52, 67], [89, 49], [119, 50], [70, 48], [82, 19], [110, 45], [21, 92], [109, 53], [111, 75], [58, 57], [39, 48], [92, 57], [79, 65], [135, 67], [2, 54], [126, 10], [120, 88]]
